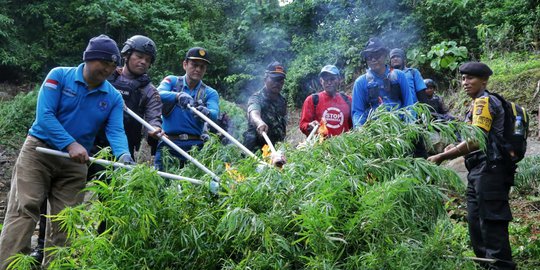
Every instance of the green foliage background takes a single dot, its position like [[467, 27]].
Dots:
[[243, 36], [381, 212]]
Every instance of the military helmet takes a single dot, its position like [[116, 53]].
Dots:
[[141, 44], [430, 83]]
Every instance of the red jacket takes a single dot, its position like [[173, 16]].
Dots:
[[335, 110]]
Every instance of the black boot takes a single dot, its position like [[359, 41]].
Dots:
[[37, 254]]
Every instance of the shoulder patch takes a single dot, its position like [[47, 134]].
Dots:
[[481, 117], [50, 83]]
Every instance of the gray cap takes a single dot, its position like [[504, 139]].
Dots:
[[329, 69], [397, 52]]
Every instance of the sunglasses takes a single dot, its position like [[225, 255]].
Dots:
[[277, 79], [374, 56]]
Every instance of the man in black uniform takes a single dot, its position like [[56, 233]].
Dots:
[[140, 95], [490, 177], [438, 109]]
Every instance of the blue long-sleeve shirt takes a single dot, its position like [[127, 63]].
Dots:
[[182, 120], [67, 111], [369, 92], [416, 82]]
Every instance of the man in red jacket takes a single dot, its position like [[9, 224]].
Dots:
[[329, 105]]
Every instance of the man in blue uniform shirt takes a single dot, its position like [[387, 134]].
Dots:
[[73, 103], [381, 85], [398, 60], [180, 124]]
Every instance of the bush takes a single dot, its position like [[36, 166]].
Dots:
[[527, 177], [16, 118], [354, 201]]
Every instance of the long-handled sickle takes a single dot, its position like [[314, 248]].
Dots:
[[277, 158], [222, 131], [312, 133], [117, 164], [215, 179]]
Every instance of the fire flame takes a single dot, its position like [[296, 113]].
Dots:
[[233, 173], [323, 130], [266, 151]]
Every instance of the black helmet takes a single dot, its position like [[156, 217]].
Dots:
[[141, 44], [430, 83]]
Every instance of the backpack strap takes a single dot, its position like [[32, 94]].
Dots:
[[345, 98], [167, 108], [201, 93], [179, 85], [315, 99]]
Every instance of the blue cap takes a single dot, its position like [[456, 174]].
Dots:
[[329, 69], [198, 53], [103, 48]]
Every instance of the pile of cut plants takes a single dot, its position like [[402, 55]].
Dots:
[[356, 201]]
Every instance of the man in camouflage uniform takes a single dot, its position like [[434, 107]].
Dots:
[[267, 110]]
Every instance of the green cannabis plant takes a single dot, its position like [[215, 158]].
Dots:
[[356, 201]]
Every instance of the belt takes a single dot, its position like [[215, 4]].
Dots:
[[41, 141], [184, 137]]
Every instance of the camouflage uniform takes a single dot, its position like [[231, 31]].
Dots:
[[273, 113]]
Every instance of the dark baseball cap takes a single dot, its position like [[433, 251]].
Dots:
[[374, 45], [478, 69], [197, 53], [276, 69]]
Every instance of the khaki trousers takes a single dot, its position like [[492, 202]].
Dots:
[[38, 176]]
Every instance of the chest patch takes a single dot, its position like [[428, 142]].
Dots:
[[103, 105], [68, 92]]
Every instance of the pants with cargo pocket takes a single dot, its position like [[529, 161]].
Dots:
[[38, 177], [489, 211]]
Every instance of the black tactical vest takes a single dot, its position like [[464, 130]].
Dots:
[[133, 94]]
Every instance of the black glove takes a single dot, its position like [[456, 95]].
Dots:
[[126, 159], [198, 103], [183, 99], [203, 110]]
